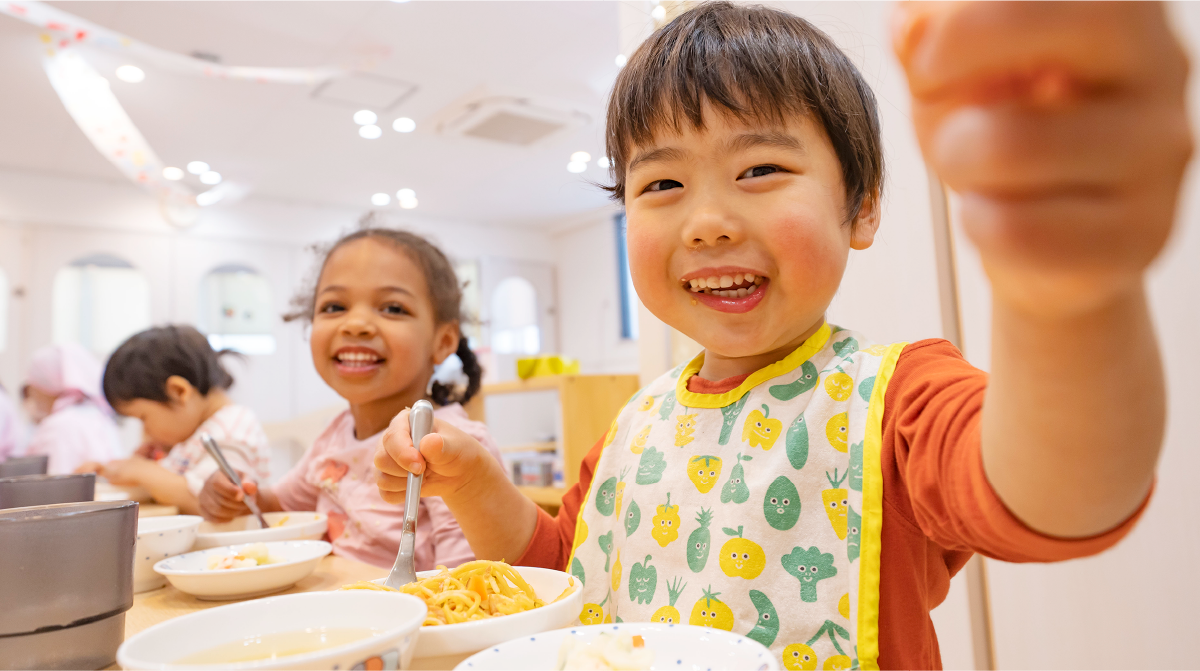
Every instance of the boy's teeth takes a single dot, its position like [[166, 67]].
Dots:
[[728, 286], [726, 281]]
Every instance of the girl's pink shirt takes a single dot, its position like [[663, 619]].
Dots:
[[337, 477]]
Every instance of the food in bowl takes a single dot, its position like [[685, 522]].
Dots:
[[627, 652], [250, 556], [476, 590], [277, 645]]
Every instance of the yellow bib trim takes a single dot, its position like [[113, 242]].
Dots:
[[872, 516], [784, 366]]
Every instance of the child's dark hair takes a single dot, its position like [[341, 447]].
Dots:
[[141, 365], [444, 293], [757, 64]]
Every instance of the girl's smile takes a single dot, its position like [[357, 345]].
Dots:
[[357, 361]]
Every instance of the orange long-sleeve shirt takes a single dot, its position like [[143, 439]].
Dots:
[[938, 507]]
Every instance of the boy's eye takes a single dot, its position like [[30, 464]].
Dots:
[[664, 184], [394, 309], [759, 171], [330, 307]]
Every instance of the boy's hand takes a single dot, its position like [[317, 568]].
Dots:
[[1063, 127], [89, 467], [448, 457], [221, 501]]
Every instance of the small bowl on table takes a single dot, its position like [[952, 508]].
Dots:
[[37, 464], [361, 630], [45, 490], [284, 526], [159, 538], [294, 560]]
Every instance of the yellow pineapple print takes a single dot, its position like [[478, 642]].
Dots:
[[670, 614], [685, 426]]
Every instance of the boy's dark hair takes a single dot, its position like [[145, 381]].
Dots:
[[444, 293], [141, 365], [757, 64]]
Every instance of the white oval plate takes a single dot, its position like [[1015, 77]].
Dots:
[[297, 526], [189, 572], [675, 646]]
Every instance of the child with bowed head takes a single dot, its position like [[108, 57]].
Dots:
[[73, 423]]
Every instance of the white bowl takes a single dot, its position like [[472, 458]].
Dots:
[[190, 573], [675, 646], [394, 619], [443, 646], [106, 491], [296, 526], [157, 539]]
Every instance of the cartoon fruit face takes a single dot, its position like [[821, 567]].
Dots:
[[685, 426], [593, 613], [666, 523], [605, 542], [606, 496], [836, 663], [729, 415], [766, 627], [760, 430], [647, 403], [846, 347], [710, 612], [856, 466], [836, 430], [735, 488], [781, 505], [796, 442], [704, 471], [633, 517], [799, 657], [853, 534], [667, 406], [669, 614], [650, 467], [836, 503], [839, 386], [643, 581], [620, 491], [698, 540], [809, 567], [742, 557], [806, 381], [639, 441], [616, 572]]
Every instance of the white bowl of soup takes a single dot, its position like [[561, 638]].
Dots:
[[159, 538], [286, 526], [314, 630], [243, 571], [442, 646]]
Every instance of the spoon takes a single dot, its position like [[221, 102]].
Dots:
[[215, 451], [403, 571]]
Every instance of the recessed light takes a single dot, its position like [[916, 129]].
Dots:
[[371, 132], [576, 166], [404, 125], [603, 162], [197, 167], [405, 194], [173, 174], [408, 203], [659, 13], [130, 73], [581, 157], [210, 177], [365, 117], [621, 60], [380, 199]]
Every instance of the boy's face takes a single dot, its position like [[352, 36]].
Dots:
[[737, 199]]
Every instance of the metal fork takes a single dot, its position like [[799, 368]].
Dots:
[[218, 456], [420, 419]]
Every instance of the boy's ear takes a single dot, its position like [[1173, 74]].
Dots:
[[445, 341], [866, 223], [179, 390]]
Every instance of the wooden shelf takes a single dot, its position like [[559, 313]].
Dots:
[[548, 446], [543, 383], [545, 496]]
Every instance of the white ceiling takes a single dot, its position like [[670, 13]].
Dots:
[[286, 145]]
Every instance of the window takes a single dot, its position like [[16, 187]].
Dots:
[[514, 318], [468, 279], [629, 301], [99, 301], [235, 310], [4, 293]]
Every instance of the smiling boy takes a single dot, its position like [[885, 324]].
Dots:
[[830, 487]]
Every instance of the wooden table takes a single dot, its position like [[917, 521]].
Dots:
[[156, 510]]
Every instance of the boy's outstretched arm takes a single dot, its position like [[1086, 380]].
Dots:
[[1063, 128]]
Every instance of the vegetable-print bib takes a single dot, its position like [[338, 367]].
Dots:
[[756, 511]]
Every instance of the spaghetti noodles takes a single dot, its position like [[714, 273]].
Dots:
[[477, 590]]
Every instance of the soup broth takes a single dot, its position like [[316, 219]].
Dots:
[[282, 644]]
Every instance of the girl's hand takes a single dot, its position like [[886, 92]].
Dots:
[[124, 472], [89, 467], [221, 501], [448, 458]]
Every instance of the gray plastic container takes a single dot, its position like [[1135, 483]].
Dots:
[[44, 490], [66, 580], [36, 465]]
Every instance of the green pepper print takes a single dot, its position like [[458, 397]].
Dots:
[[846, 347], [809, 567], [633, 517], [606, 542], [729, 415], [577, 570], [735, 488], [668, 404], [650, 468], [856, 466], [807, 380], [796, 442], [643, 580], [781, 505], [606, 497], [698, 541], [854, 533], [766, 627]]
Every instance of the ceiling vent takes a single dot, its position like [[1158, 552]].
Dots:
[[364, 91], [510, 120]]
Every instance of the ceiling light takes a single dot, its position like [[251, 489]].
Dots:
[[210, 177], [404, 125], [365, 117], [371, 132], [581, 157], [603, 162], [659, 13], [576, 166], [197, 167], [621, 60], [173, 174], [405, 194], [130, 73], [408, 203], [380, 199]]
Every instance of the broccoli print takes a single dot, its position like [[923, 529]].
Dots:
[[632, 518], [668, 405], [577, 570], [650, 469], [766, 628], [735, 488], [796, 442], [836, 500], [620, 491], [685, 426], [809, 567], [703, 471], [781, 505], [806, 381], [854, 535], [606, 541], [866, 387], [846, 347], [760, 430], [698, 540], [666, 524], [856, 466], [729, 415], [643, 580], [606, 496], [670, 614]]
